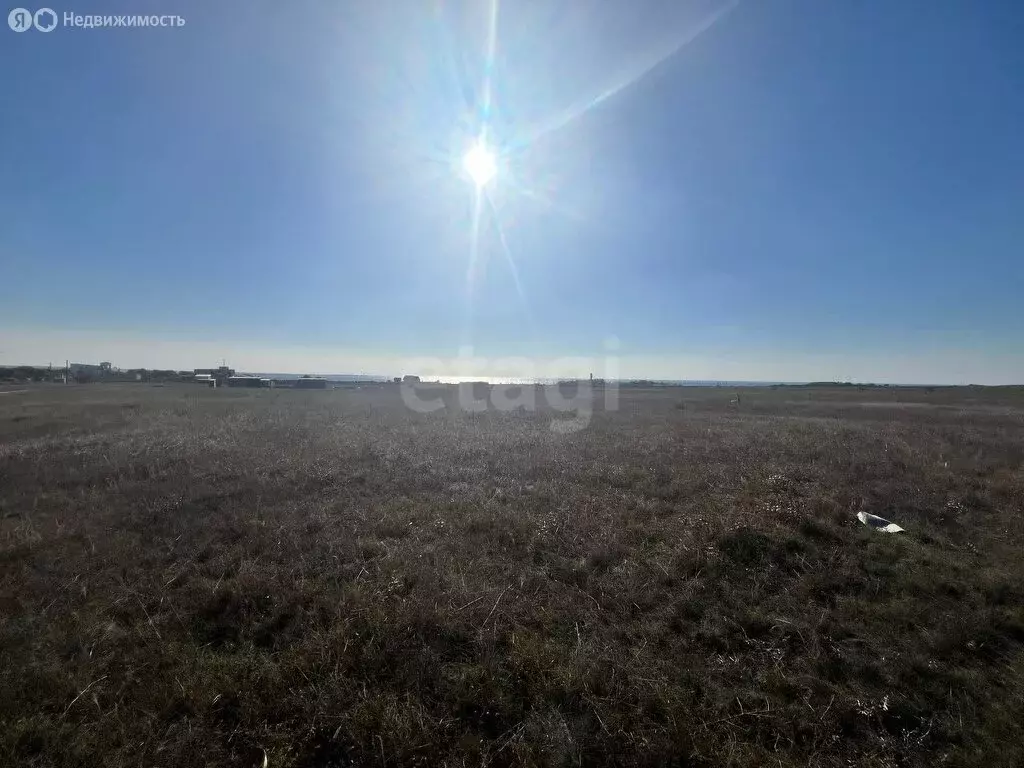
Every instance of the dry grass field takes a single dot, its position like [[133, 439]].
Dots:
[[199, 577]]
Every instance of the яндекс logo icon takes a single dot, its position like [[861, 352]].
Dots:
[[19, 19]]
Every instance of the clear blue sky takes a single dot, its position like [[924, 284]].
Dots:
[[802, 189]]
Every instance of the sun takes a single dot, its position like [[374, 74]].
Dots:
[[480, 165]]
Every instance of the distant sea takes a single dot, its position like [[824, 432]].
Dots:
[[354, 377]]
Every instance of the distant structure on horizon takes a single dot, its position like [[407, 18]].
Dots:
[[252, 382], [310, 382], [220, 374]]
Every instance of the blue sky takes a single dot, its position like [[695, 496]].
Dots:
[[780, 189]]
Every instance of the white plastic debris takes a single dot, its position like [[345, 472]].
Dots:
[[878, 523]]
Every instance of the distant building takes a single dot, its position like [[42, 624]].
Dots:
[[311, 382], [221, 374], [87, 368], [246, 381]]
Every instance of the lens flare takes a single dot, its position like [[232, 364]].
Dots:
[[480, 165]]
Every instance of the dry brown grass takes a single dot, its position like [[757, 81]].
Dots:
[[190, 577]]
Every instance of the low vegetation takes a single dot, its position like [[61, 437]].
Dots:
[[207, 577]]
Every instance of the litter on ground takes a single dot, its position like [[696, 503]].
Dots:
[[878, 523]]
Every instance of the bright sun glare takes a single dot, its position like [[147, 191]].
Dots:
[[480, 164]]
